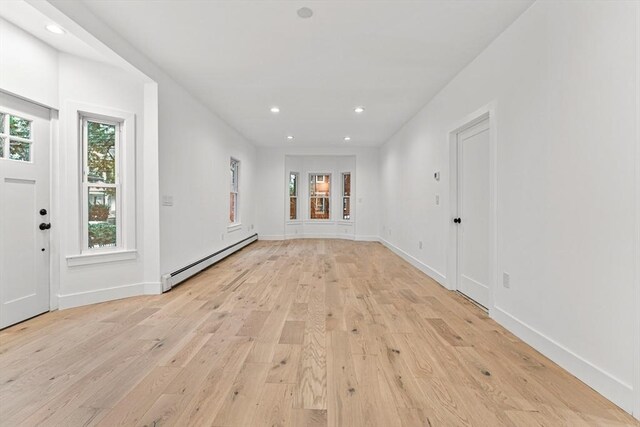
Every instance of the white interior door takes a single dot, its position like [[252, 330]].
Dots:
[[474, 212], [24, 198]]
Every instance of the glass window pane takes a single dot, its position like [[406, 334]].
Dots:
[[101, 152], [346, 184], [319, 185], [293, 184], [19, 150], [233, 197], [20, 127], [346, 208], [293, 208], [2, 117], [102, 217], [319, 208]]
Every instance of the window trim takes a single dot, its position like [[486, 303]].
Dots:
[[235, 189], [85, 118], [309, 196], [342, 175], [296, 196]]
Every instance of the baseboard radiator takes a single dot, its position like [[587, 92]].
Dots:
[[170, 280]]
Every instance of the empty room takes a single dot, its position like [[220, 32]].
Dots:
[[381, 213]]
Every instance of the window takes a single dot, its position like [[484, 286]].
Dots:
[[346, 195], [319, 195], [293, 195], [15, 138], [233, 194], [102, 189]]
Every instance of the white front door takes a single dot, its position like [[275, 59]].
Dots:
[[474, 212], [25, 135]]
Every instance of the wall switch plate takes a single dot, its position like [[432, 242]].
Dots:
[[506, 280], [436, 175], [167, 200]]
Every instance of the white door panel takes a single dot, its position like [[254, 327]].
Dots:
[[24, 191], [474, 212]]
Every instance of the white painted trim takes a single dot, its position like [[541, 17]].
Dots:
[[234, 227], [601, 381], [78, 299], [271, 237], [98, 258], [429, 271], [366, 238], [486, 112], [168, 281], [636, 385]]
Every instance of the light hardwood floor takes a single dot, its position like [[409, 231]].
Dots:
[[298, 333]]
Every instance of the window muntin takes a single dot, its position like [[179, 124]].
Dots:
[[102, 193], [294, 178], [319, 196], [234, 168], [15, 138], [346, 196]]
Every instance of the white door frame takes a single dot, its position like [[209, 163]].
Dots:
[[486, 112]]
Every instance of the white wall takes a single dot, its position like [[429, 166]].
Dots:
[[563, 80], [29, 67], [335, 226], [270, 187], [97, 85], [194, 150]]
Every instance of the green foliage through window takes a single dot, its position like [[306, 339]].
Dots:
[[101, 152]]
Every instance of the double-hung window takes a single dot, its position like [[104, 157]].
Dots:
[[102, 187], [293, 195], [346, 196], [319, 196], [233, 194]]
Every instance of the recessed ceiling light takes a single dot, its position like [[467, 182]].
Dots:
[[347, 138], [53, 28], [290, 137], [305, 13], [275, 110], [359, 110]]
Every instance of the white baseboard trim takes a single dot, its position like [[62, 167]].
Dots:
[[431, 272], [311, 236], [78, 299], [612, 388], [367, 238], [270, 237]]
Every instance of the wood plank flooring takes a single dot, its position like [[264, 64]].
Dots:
[[295, 333]]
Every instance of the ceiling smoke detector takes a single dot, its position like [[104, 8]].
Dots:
[[305, 13]]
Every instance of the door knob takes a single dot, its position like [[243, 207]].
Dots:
[[44, 226], [43, 212]]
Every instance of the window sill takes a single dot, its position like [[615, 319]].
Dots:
[[320, 221], [101, 257], [234, 227], [294, 222], [345, 222]]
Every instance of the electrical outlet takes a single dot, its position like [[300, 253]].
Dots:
[[252, 226], [222, 236], [420, 244], [506, 280], [437, 199]]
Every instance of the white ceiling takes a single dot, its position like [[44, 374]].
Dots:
[[242, 57]]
